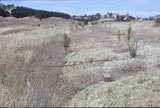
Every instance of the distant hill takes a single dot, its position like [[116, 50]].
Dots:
[[20, 12]]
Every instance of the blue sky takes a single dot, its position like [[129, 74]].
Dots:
[[143, 8]]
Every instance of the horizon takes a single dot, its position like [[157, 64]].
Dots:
[[141, 8]]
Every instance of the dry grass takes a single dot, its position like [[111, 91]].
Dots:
[[127, 69], [33, 78], [32, 70], [133, 47], [71, 86], [31, 62], [30, 67], [14, 31]]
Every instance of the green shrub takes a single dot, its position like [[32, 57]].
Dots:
[[132, 43], [129, 32], [67, 42]]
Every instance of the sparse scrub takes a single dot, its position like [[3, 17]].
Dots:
[[132, 43], [33, 73], [133, 66], [67, 42], [133, 47], [128, 68]]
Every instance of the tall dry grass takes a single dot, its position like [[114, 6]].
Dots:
[[30, 66], [31, 69]]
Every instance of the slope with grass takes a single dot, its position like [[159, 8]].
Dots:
[[96, 70]]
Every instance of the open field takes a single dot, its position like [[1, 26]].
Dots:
[[96, 70]]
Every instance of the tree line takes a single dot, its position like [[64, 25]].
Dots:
[[20, 12]]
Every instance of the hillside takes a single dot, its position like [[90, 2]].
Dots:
[[20, 12], [50, 59], [97, 69]]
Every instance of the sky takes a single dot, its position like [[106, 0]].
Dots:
[[142, 8]]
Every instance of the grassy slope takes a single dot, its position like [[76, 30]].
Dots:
[[33, 72]]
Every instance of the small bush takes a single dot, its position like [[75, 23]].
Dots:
[[132, 43], [86, 22], [67, 42], [133, 46], [129, 32]]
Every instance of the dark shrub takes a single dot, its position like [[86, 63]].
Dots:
[[3, 13]]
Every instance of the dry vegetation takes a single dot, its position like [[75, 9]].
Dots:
[[157, 22], [57, 62]]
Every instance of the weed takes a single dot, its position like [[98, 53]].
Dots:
[[133, 46], [67, 42], [110, 91]]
